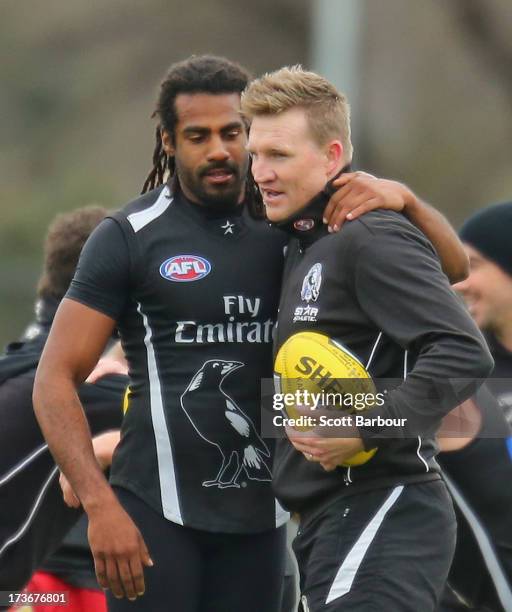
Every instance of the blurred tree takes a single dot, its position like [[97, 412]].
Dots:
[[79, 81], [483, 36]]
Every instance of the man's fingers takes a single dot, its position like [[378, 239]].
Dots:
[[309, 449], [131, 569], [123, 575], [343, 202], [137, 570], [101, 572], [137, 563], [361, 174], [114, 537], [295, 434], [303, 448], [345, 178], [351, 202], [144, 552], [336, 202], [127, 581], [345, 211], [307, 438], [352, 189], [113, 579], [362, 209]]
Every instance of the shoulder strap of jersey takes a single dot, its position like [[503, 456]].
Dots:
[[134, 218]]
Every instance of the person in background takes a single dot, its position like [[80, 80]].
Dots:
[[34, 521], [488, 290], [477, 464]]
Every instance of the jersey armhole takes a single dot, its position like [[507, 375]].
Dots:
[[137, 268]]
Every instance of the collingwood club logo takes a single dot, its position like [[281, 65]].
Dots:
[[309, 293], [311, 284], [242, 454]]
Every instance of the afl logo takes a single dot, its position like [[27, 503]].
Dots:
[[185, 268]]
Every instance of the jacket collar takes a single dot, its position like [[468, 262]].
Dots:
[[307, 224]]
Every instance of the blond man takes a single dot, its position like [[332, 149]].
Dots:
[[379, 536]]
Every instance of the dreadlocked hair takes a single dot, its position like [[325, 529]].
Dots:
[[161, 162], [197, 74], [253, 198]]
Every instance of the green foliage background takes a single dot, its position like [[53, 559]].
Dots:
[[79, 80]]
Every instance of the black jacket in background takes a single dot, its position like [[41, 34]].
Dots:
[[33, 517]]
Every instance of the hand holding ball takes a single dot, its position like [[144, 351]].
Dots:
[[318, 366]]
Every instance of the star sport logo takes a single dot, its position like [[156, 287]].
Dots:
[[309, 293], [185, 268]]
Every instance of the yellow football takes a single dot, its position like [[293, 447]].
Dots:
[[316, 364]]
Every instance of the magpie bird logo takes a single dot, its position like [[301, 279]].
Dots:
[[311, 284], [218, 420]]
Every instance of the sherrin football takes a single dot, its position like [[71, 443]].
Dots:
[[316, 364]]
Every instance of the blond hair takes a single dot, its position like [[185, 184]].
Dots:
[[327, 110]]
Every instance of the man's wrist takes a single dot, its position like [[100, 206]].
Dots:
[[98, 501], [411, 202]]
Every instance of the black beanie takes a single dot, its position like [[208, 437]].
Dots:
[[490, 231]]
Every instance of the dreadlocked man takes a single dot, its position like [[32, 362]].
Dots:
[[189, 517], [203, 75]]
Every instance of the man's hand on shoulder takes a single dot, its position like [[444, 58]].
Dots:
[[359, 192]]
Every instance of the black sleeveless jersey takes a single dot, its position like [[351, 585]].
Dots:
[[195, 295], [377, 288]]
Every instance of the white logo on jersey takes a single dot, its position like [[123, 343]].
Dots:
[[228, 227], [232, 329], [185, 268], [309, 293], [220, 422], [311, 284]]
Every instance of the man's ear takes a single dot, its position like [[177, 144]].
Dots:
[[167, 143], [334, 156]]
